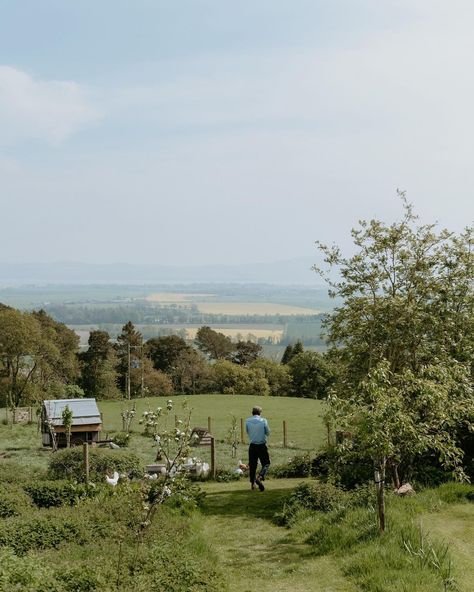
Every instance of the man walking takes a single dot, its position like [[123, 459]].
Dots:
[[257, 431]]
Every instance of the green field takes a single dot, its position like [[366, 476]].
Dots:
[[305, 429], [339, 551]]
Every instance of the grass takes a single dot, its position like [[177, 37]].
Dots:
[[303, 416], [254, 552], [428, 546]]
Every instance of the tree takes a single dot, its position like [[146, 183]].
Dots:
[[98, 373], [129, 348], [291, 351], [58, 364], [401, 416], [164, 351], [191, 372], [311, 375], [233, 379], [20, 347], [67, 417], [245, 353], [277, 376], [399, 339], [214, 344]]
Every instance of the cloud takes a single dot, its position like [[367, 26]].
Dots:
[[47, 110]]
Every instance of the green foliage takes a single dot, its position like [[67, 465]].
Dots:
[[50, 494], [233, 379], [214, 344], [13, 500], [46, 531], [311, 374], [26, 574], [277, 376], [316, 497], [68, 464], [122, 439], [12, 473], [297, 466]]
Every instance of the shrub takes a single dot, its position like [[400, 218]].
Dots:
[[122, 439], [225, 476], [320, 497], [13, 500], [298, 466], [11, 472], [26, 574], [50, 494], [38, 532], [68, 464]]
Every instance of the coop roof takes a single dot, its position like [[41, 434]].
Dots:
[[84, 411]]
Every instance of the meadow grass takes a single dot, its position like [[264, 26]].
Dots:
[[305, 427]]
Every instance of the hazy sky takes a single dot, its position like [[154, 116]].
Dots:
[[210, 131]]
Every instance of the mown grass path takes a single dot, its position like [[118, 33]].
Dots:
[[258, 555]]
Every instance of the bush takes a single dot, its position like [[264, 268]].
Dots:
[[68, 464], [13, 500], [316, 497], [122, 439], [38, 532], [11, 472], [50, 494], [26, 574], [298, 466], [225, 476]]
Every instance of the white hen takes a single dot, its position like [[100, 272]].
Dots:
[[113, 480]]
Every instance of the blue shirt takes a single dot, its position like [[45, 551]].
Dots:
[[257, 429]]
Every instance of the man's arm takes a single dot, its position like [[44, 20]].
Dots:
[[267, 429]]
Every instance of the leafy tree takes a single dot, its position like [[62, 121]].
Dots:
[[233, 379], [67, 417], [191, 372], [245, 353], [277, 375], [214, 344], [400, 339], [20, 347], [164, 351], [59, 346], [311, 375], [98, 373]]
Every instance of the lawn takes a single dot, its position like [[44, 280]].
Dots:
[[305, 428]]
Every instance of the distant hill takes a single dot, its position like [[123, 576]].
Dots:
[[290, 272]]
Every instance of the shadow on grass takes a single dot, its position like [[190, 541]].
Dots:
[[245, 503]]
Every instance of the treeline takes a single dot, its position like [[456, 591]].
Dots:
[[143, 313], [40, 359]]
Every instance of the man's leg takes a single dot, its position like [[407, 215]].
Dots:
[[265, 462], [253, 460]]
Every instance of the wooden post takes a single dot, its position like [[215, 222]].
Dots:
[[176, 421], [85, 450], [209, 425], [213, 457], [285, 442], [242, 441], [30, 415]]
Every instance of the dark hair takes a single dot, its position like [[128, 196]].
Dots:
[[256, 410]]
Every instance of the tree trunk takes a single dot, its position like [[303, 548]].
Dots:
[[379, 478]]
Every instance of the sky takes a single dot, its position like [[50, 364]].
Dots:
[[210, 132]]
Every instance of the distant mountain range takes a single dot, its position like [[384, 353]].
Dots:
[[290, 272]]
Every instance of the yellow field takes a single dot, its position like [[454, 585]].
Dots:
[[175, 297], [250, 308], [244, 333]]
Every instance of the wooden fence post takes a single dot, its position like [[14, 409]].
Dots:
[[85, 451], [213, 457], [285, 439], [242, 441]]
